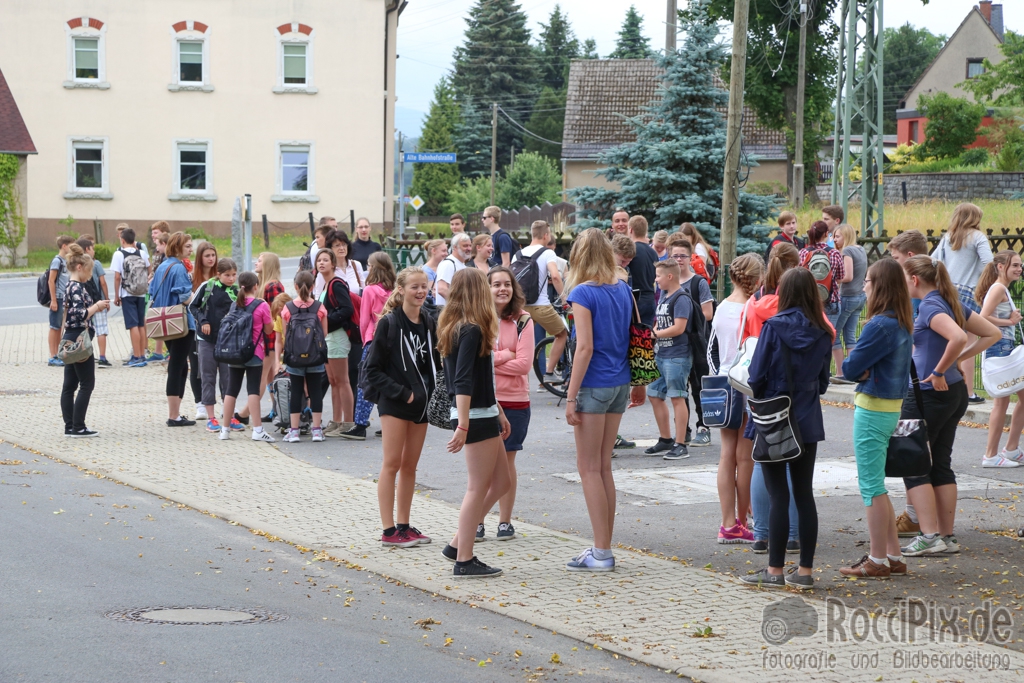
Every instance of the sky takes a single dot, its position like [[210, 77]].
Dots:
[[430, 30]]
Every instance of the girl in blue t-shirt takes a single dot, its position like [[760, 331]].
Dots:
[[598, 390]]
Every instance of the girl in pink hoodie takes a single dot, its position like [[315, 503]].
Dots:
[[513, 355]]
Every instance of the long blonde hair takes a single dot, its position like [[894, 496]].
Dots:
[[966, 217], [381, 270], [269, 272], [397, 297], [936, 275], [469, 302], [990, 274], [784, 256], [745, 272], [591, 260]]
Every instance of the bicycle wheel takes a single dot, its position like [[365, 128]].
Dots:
[[563, 368]]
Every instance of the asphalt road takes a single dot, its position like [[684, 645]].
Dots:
[[76, 548]]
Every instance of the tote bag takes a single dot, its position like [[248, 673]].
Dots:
[[909, 453], [642, 368], [776, 434], [1004, 376]]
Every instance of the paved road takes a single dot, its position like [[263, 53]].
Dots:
[[77, 547]]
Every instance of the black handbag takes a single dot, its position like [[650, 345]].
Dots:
[[909, 453], [776, 434], [440, 406]]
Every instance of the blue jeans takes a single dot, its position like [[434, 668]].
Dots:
[[846, 324], [760, 506], [363, 407]]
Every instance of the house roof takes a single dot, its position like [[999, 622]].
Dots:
[[604, 93], [14, 137]]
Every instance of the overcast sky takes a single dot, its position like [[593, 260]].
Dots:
[[430, 30]]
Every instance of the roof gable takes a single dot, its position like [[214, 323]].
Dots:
[[14, 137]]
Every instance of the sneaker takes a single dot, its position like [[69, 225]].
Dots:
[[586, 562], [905, 527], [622, 443], [399, 538], [378, 433], [182, 421], [897, 568], [333, 429], [137, 363], [450, 553], [998, 461], [760, 547], [792, 547], [418, 535], [794, 579], [318, 434], [952, 545], [103, 363], [293, 436], [474, 569], [128, 361], [201, 413], [677, 452], [735, 534], [357, 433], [480, 537], [225, 434], [55, 362], [1016, 455], [924, 546], [506, 532], [763, 579], [269, 417], [237, 426], [243, 420], [262, 435], [660, 447], [212, 425], [865, 568], [703, 437], [154, 357], [81, 433], [975, 399]]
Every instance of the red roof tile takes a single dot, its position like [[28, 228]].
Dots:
[[14, 137]]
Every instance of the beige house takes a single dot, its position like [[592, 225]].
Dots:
[[170, 110], [604, 93], [15, 144]]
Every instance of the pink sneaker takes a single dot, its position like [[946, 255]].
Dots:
[[413, 532], [399, 539], [735, 534]]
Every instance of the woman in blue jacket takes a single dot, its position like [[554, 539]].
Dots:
[[170, 286], [801, 328], [881, 364]]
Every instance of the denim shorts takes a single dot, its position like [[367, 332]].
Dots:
[[599, 400], [57, 317], [134, 310], [675, 374], [519, 420], [967, 299], [1000, 349], [302, 372]]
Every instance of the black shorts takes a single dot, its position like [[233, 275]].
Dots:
[[481, 429]]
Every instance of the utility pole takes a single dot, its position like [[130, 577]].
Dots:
[[731, 181], [798, 162], [494, 147], [671, 19]]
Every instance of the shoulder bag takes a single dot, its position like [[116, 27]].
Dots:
[[739, 371], [1004, 376], [776, 434], [71, 351], [721, 405], [909, 453], [642, 368], [164, 323]]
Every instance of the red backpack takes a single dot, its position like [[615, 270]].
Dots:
[[699, 267]]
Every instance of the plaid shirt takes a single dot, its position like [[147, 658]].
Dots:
[[838, 267]]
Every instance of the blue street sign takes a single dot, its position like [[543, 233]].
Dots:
[[430, 157]]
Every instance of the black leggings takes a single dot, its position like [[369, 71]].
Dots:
[[297, 400], [193, 372], [80, 376], [942, 410], [802, 472], [178, 351], [252, 375]]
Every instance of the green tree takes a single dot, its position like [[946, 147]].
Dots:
[[472, 137], [548, 121], [496, 63], [952, 123], [433, 182], [469, 196], [673, 171], [589, 50], [908, 52], [531, 180], [558, 46], [632, 43], [1003, 83]]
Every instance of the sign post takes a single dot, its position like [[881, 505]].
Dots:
[[417, 158]]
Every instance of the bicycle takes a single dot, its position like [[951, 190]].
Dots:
[[563, 367]]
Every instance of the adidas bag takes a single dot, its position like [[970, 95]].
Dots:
[[235, 345]]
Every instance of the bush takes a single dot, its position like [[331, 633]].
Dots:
[[952, 123], [104, 252], [975, 157], [766, 188], [197, 233], [1010, 158]]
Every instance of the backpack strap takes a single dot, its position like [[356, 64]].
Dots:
[[521, 324]]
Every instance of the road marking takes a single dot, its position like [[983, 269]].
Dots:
[[17, 308]]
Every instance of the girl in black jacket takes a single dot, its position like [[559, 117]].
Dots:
[[210, 303], [466, 332], [401, 364]]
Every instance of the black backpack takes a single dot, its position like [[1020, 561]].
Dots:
[[496, 257], [696, 328], [527, 274], [304, 343], [235, 345], [43, 286]]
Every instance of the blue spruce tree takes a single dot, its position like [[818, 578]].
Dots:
[[673, 172]]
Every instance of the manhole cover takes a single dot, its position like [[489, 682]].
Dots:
[[195, 616]]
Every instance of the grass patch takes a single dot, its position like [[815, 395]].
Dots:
[[925, 216]]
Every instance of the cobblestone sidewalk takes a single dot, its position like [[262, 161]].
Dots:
[[650, 609]]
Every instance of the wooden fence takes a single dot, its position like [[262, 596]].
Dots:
[[1004, 238]]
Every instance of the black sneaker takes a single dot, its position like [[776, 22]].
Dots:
[[103, 363], [243, 420], [182, 421], [506, 532], [760, 547], [660, 447], [378, 433], [793, 547], [763, 579], [480, 533], [357, 433], [975, 399], [81, 433], [474, 569], [703, 437], [622, 443], [677, 452], [449, 553], [795, 579]]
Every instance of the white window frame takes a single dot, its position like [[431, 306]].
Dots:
[[309, 196], [86, 31], [102, 192], [179, 195], [189, 35], [294, 37]]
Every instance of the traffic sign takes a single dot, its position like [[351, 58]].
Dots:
[[430, 157], [417, 202]]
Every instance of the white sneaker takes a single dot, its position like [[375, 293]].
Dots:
[[225, 433], [262, 435], [318, 434], [1015, 455], [201, 413], [998, 461], [293, 436]]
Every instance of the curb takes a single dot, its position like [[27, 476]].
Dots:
[[979, 414], [14, 276]]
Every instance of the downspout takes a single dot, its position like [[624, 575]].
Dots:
[[391, 6]]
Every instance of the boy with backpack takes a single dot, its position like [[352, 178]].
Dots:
[[209, 305], [505, 246], [131, 281], [703, 311], [533, 268], [57, 282], [97, 288]]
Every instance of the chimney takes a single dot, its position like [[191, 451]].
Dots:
[[986, 10], [997, 21]]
